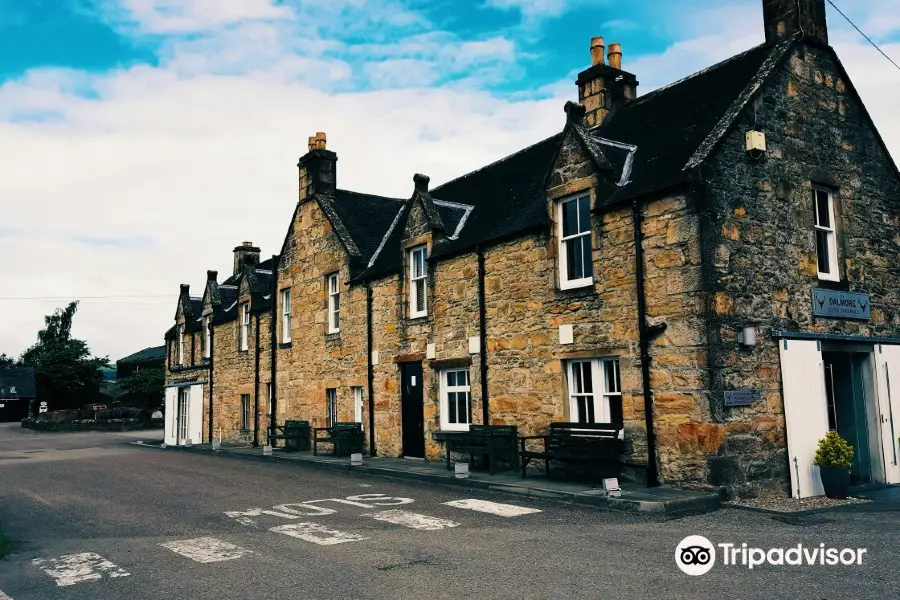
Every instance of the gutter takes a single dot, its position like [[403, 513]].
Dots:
[[482, 332], [256, 388], [273, 348], [370, 370], [645, 333]]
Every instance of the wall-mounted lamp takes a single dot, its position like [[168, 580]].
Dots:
[[747, 337]]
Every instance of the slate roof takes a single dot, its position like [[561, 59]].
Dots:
[[669, 125], [154, 353], [17, 382]]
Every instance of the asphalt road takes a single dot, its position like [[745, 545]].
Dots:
[[92, 517]]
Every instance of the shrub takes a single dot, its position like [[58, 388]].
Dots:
[[834, 451]]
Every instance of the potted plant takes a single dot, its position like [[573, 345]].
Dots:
[[834, 456]]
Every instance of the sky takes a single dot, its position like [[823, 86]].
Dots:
[[141, 140]]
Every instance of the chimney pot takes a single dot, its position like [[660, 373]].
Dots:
[[421, 182], [320, 140], [597, 51], [615, 55], [212, 275], [311, 144], [185, 289]]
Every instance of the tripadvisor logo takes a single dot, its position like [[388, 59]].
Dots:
[[696, 555]]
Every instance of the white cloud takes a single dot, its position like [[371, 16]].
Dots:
[[185, 16], [532, 8], [175, 165]]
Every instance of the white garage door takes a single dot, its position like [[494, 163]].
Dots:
[[195, 421], [171, 421], [805, 412]]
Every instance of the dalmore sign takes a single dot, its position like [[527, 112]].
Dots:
[[841, 305]]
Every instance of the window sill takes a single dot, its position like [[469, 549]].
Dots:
[[333, 337], [585, 291], [418, 319], [284, 345], [830, 284]]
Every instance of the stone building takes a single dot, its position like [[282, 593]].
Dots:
[[712, 265]]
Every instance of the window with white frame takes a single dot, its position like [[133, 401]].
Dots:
[[180, 348], [330, 407], [334, 303], [245, 412], [418, 290], [183, 396], [358, 406], [456, 400], [826, 238], [286, 315], [245, 325], [575, 262], [595, 391], [207, 338]]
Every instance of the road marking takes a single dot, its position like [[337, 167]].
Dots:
[[206, 550], [70, 569], [317, 534], [413, 520], [306, 508], [494, 508]]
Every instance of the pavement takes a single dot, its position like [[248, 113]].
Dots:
[[146, 523], [633, 496]]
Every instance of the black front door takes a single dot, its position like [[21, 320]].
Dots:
[[412, 408]]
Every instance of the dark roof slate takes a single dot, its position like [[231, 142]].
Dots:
[[17, 382], [366, 218], [670, 124], [153, 353]]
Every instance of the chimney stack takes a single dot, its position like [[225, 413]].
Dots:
[[604, 87], [212, 275], [597, 49], [245, 254], [786, 18], [317, 169]]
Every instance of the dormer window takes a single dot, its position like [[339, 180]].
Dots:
[[574, 232], [418, 290], [180, 347], [245, 326], [207, 337]]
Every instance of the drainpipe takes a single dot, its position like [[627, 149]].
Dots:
[[644, 334], [482, 332], [273, 341], [370, 370], [256, 388], [212, 346]]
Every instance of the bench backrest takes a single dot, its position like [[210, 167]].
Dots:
[[346, 427], [584, 436], [479, 433]]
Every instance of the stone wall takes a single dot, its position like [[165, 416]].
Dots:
[[234, 375], [762, 252], [316, 360]]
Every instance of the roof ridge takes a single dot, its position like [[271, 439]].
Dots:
[[496, 162], [369, 195], [668, 86]]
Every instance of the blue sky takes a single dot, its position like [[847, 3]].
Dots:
[[149, 137]]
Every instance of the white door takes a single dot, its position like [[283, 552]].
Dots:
[[183, 415], [195, 412], [805, 412], [887, 377], [171, 423]]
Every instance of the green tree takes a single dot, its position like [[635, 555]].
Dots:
[[143, 388], [7, 361], [66, 375]]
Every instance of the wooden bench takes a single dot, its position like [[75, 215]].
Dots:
[[586, 443], [294, 433], [346, 438], [494, 441]]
